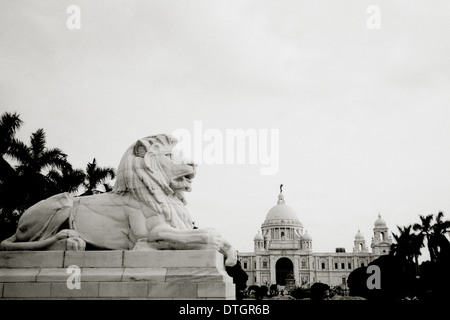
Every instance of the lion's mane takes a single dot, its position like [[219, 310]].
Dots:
[[141, 175]]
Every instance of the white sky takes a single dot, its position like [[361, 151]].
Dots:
[[363, 114]]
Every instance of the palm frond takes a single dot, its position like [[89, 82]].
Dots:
[[9, 124], [20, 152], [37, 142], [96, 175], [53, 158]]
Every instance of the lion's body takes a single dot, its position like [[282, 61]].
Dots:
[[102, 220], [147, 205]]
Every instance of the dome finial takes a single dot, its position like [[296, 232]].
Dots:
[[380, 222], [281, 196], [359, 235], [258, 236], [306, 236]]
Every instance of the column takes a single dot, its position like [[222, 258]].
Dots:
[[273, 273], [329, 270], [257, 270], [296, 271]]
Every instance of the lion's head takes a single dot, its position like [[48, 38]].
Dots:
[[151, 172]]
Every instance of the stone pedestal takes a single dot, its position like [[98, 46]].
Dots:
[[167, 275]]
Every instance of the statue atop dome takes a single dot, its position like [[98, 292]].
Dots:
[[281, 196]]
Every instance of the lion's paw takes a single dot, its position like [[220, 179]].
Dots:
[[75, 244], [67, 233], [71, 240], [231, 259], [213, 238], [230, 255]]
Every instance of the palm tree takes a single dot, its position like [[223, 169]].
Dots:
[[407, 248], [9, 124], [440, 226], [34, 160], [67, 179], [97, 176], [27, 183], [425, 228], [438, 240], [416, 244], [399, 249]]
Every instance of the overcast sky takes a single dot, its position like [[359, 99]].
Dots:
[[363, 114]]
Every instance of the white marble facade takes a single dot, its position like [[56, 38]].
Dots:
[[283, 249]]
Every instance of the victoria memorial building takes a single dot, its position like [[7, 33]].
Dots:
[[283, 252]]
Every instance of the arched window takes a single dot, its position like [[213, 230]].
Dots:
[[382, 236], [360, 246]]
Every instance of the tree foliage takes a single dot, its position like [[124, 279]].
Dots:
[[402, 276], [96, 176], [30, 172]]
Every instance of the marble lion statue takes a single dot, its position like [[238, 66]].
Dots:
[[145, 211]]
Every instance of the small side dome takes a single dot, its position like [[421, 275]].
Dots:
[[359, 236], [306, 236], [258, 236], [380, 222]]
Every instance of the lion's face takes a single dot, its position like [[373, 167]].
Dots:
[[178, 173], [152, 168], [152, 172]]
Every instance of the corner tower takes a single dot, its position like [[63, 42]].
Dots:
[[360, 243], [259, 242], [381, 241]]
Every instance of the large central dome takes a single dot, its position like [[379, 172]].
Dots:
[[282, 214], [281, 211]]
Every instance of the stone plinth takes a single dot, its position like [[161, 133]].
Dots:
[[174, 274]]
